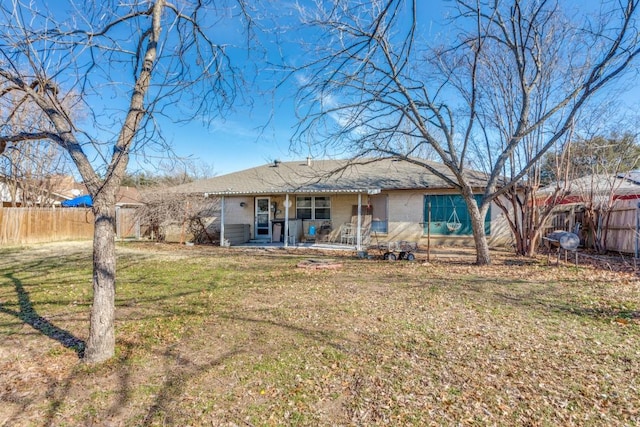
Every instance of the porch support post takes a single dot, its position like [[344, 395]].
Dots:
[[359, 226], [637, 231], [286, 220], [222, 221]]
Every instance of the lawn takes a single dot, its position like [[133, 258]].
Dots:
[[208, 336]]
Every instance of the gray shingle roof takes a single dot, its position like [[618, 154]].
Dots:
[[599, 184], [326, 176]]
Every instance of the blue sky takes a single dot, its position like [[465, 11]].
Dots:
[[249, 136], [260, 126], [253, 135]]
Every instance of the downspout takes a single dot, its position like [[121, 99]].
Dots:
[[286, 220], [359, 226]]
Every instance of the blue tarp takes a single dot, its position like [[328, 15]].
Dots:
[[78, 202]]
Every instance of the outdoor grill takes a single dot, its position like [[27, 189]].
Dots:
[[564, 240]]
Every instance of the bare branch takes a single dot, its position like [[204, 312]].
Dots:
[[516, 72]]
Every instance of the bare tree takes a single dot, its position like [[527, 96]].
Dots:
[[27, 169], [526, 210], [600, 165], [523, 208], [373, 84], [30, 172], [193, 215], [597, 154], [127, 65], [170, 173]]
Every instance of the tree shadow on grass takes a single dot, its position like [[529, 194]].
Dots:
[[30, 316], [546, 298], [321, 336], [181, 371], [549, 305]]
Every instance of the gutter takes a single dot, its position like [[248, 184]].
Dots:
[[370, 191]]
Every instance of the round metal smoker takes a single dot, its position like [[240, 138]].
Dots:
[[564, 240]]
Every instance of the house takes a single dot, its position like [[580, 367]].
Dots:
[[603, 208], [41, 192], [6, 198], [333, 201]]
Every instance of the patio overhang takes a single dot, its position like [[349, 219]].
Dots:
[[288, 192], [284, 192]]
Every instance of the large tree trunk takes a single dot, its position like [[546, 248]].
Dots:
[[101, 343], [483, 257]]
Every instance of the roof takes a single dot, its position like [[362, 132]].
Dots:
[[66, 187], [51, 189], [128, 196], [600, 184], [125, 196], [327, 176], [632, 176]]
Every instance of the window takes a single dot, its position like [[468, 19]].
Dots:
[[379, 221], [448, 210], [322, 208], [309, 207], [379, 226], [304, 207]]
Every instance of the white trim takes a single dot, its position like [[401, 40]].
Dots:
[[359, 227], [269, 235], [222, 221], [287, 205]]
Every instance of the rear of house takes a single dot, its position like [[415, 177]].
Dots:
[[336, 202]]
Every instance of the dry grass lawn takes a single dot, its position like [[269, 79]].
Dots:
[[217, 337]]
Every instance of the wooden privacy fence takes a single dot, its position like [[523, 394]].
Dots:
[[34, 225], [622, 234], [622, 229], [127, 223]]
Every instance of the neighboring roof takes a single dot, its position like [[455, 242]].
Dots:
[[55, 188], [327, 176], [125, 196], [128, 196], [633, 176], [65, 187], [84, 201], [4, 191], [600, 184]]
